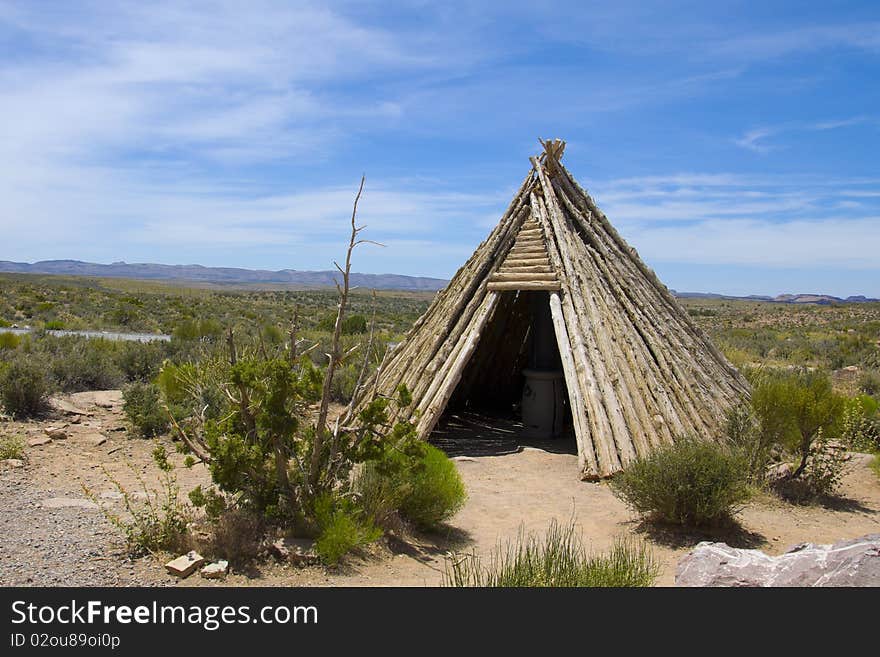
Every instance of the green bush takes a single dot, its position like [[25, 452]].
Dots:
[[143, 407], [139, 361], [559, 560], [860, 425], [435, 490], [351, 325], [24, 387], [342, 528], [11, 447], [87, 365], [692, 483], [794, 408], [9, 341], [425, 488]]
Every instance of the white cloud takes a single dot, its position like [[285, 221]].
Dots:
[[835, 242]]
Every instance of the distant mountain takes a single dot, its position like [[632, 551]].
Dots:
[[222, 275], [294, 277], [818, 299]]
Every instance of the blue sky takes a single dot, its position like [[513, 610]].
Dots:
[[733, 144]]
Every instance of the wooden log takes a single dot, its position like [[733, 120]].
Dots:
[[634, 429], [525, 269], [524, 277], [524, 285], [527, 262], [432, 410], [587, 464], [600, 427], [603, 363]]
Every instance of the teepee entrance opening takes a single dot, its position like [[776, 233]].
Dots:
[[512, 391]]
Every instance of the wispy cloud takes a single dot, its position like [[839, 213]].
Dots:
[[756, 139], [734, 219]]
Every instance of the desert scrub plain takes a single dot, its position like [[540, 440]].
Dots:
[[54, 525]]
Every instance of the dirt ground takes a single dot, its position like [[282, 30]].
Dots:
[[51, 534]]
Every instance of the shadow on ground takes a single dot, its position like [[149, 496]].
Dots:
[[675, 536]]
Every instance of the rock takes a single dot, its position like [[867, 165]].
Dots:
[[111, 495], [39, 441], [55, 433], [464, 459], [185, 565], [96, 439], [68, 502], [11, 463], [853, 562], [779, 471], [215, 570], [67, 408], [298, 551]]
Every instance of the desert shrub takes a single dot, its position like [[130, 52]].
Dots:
[[821, 476], [421, 484], [860, 424], [794, 408], [24, 387], [869, 383], [156, 522], [9, 341], [558, 560], [344, 382], [11, 447], [744, 435], [235, 536], [351, 325], [142, 405], [139, 361], [85, 364], [342, 528], [434, 491], [691, 483]]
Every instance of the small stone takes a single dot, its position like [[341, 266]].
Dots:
[[298, 551], [55, 433], [12, 463], [111, 495], [68, 502], [67, 407], [215, 570], [464, 459], [185, 565], [39, 441], [96, 439]]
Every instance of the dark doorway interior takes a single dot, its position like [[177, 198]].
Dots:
[[484, 414]]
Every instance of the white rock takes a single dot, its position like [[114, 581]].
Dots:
[[854, 562], [12, 463], [216, 570]]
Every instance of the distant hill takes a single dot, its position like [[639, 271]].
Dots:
[[223, 275], [818, 299], [294, 277]]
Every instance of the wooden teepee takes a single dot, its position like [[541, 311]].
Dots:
[[638, 372]]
